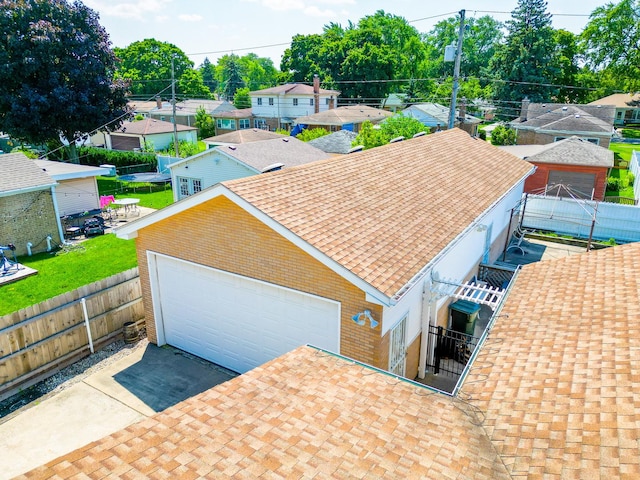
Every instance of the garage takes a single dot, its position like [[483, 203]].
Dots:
[[235, 321]]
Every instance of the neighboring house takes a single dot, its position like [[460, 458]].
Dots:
[[28, 212], [339, 253], [135, 136], [394, 102], [77, 189], [277, 107], [226, 122], [187, 109], [542, 123], [557, 382], [141, 107], [336, 142], [241, 136], [221, 163], [626, 112], [436, 117], [572, 167], [350, 117]]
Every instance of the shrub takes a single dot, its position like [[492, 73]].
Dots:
[[631, 178], [100, 156], [613, 184], [311, 134]]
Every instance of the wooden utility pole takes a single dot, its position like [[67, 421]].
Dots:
[[456, 72]]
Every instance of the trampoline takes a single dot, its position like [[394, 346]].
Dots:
[[146, 177]]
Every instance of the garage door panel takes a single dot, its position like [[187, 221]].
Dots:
[[236, 321]]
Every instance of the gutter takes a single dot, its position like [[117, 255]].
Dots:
[[18, 191]]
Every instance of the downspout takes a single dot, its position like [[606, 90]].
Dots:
[[425, 324], [57, 213]]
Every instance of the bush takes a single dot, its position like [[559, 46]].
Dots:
[[311, 134], [99, 156], [613, 184], [631, 178]]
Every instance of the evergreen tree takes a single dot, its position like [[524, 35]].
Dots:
[[524, 64], [208, 72], [234, 78]]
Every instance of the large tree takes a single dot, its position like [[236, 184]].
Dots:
[[524, 65], [611, 40], [56, 79]]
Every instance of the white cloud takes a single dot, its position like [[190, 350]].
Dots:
[[306, 7], [130, 9], [314, 11], [190, 18]]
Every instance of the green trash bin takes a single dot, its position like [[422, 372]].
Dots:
[[463, 316]]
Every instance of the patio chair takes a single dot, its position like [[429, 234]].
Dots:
[[517, 238]]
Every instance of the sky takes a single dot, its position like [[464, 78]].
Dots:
[[213, 28]]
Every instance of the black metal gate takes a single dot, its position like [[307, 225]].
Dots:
[[451, 351]]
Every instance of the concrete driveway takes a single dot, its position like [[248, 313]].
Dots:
[[135, 387]]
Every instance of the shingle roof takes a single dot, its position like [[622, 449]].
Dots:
[[386, 212], [619, 100], [190, 107], [345, 115], [65, 171], [558, 381], [570, 151], [303, 415], [150, 126], [336, 142], [286, 150], [21, 173], [568, 118], [244, 136], [292, 89]]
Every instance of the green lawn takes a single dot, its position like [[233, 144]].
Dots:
[[150, 194], [58, 273], [624, 150]]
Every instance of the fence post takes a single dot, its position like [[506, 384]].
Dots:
[[436, 368]]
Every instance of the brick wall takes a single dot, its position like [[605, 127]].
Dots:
[[28, 217], [221, 235], [538, 181]]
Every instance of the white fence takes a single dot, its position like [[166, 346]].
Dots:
[[634, 167], [567, 216]]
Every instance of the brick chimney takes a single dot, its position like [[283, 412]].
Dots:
[[524, 109], [158, 102], [316, 93]]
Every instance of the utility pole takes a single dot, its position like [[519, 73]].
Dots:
[[456, 73], [173, 106]]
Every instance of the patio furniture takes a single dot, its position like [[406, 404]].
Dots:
[[517, 239], [130, 206]]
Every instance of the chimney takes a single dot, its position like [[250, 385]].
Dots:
[[316, 93], [332, 103], [158, 102], [463, 109], [524, 109]]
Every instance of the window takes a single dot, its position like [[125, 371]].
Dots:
[[311, 102], [295, 102], [326, 101], [260, 123], [259, 101], [270, 101], [244, 123], [226, 123], [189, 186]]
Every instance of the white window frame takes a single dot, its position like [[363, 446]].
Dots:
[[189, 186], [226, 123], [259, 101], [295, 102], [271, 101], [311, 102], [260, 123]]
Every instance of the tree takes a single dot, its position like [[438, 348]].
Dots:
[[311, 134], [57, 75], [393, 127], [208, 72], [611, 42], [524, 64], [204, 123], [503, 135], [231, 76], [191, 85], [242, 99], [146, 64]]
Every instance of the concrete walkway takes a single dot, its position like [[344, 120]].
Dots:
[[135, 387]]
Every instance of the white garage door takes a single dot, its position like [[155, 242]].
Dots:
[[235, 321]]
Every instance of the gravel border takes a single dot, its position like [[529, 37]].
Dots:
[[69, 376]]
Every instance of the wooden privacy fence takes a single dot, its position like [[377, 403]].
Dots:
[[37, 341]]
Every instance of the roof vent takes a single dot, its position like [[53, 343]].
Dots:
[[232, 147], [419, 134], [272, 168], [357, 148], [564, 109], [577, 115], [397, 139], [285, 139]]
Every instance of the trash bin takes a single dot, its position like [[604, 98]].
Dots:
[[463, 316]]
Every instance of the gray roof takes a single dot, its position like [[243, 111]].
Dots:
[[570, 151], [244, 136], [337, 142], [67, 171], [190, 107], [20, 173], [288, 151], [568, 118], [345, 115]]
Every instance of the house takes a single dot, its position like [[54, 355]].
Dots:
[[436, 117], [573, 167], [221, 163], [557, 380], [233, 120], [350, 117], [395, 102], [306, 414], [77, 189], [627, 107], [139, 135], [337, 253], [29, 217], [241, 136], [186, 110], [542, 123], [277, 107], [336, 142]]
